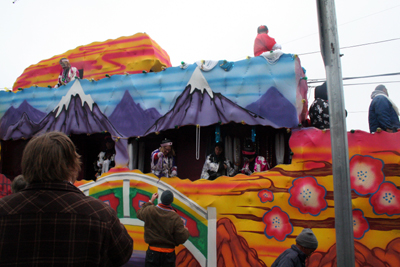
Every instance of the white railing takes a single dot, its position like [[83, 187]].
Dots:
[[210, 215]]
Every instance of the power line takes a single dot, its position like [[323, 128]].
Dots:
[[343, 24], [350, 84], [356, 77], [369, 15], [352, 46]]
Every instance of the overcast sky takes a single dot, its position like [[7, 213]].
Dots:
[[31, 31]]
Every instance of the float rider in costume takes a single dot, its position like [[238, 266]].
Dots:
[[163, 160], [252, 162], [67, 74], [216, 164], [106, 158], [263, 42]]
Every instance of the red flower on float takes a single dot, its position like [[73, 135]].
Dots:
[[308, 196], [386, 200], [265, 196], [278, 224], [189, 223], [360, 224], [366, 174], [111, 200], [138, 200]]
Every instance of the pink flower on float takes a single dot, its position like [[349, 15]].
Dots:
[[386, 200], [360, 224], [278, 224], [265, 196], [366, 174], [308, 196]]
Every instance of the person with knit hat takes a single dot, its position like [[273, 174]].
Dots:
[[383, 112], [252, 162], [263, 42], [163, 160], [306, 244], [163, 230]]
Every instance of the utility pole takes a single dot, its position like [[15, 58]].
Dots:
[[329, 43]]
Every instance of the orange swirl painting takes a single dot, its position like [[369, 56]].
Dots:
[[131, 54]]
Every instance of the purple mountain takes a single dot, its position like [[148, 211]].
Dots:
[[153, 114], [23, 128], [14, 115], [130, 119], [198, 107], [77, 119], [198, 104], [70, 116], [275, 107]]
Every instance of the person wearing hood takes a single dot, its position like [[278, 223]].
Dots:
[[306, 244], [383, 112], [252, 162], [319, 109], [216, 164]]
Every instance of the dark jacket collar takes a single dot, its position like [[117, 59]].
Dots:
[[302, 256], [54, 186]]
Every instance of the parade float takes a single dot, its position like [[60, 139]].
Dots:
[[233, 221]]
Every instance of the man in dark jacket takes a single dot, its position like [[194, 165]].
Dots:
[[51, 222], [383, 112], [306, 244], [163, 230]]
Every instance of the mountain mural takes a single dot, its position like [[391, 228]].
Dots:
[[130, 119], [76, 113], [275, 107], [198, 104], [24, 114]]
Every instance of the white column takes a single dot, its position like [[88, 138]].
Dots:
[[212, 237]]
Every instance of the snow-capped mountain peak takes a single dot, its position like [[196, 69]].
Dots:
[[198, 81], [76, 89]]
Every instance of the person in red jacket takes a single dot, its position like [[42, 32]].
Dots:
[[264, 42]]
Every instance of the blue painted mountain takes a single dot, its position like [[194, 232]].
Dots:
[[130, 119], [24, 112], [275, 107]]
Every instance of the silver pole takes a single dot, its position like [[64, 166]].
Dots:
[[329, 43]]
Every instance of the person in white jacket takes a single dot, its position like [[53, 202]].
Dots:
[[216, 164], [106, 158]]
